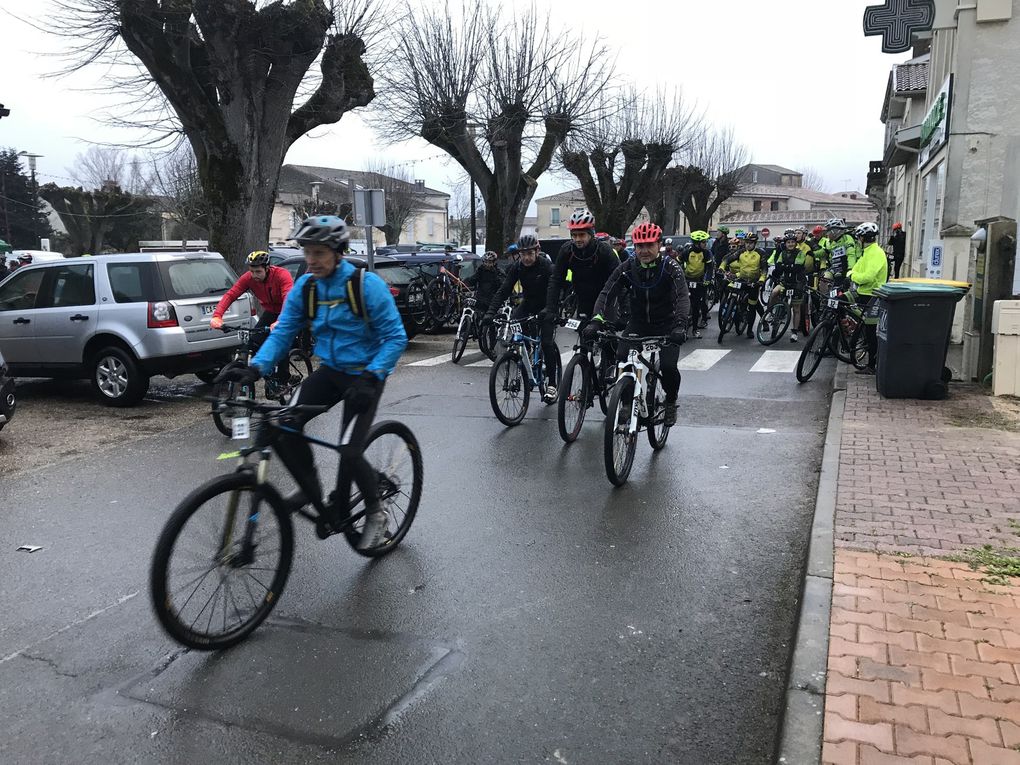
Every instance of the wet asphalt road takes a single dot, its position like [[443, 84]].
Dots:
[[534, 613]]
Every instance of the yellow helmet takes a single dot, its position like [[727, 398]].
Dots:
[[258, 258], [699, 236]]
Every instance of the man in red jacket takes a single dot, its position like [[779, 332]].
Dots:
[[270, 284]]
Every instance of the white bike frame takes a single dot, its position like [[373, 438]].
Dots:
[[637, 370]]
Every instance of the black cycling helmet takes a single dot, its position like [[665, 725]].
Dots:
[[527, 242], [258, 258], [489, 258], [752, 237], [323, 229]]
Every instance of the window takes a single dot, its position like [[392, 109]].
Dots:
[[70, 286], [431, 226], [21, 290], [554, 216], [134, 282], [774, 205], [193, 278], [757, 205]]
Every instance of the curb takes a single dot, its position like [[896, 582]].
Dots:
[[800, 735]]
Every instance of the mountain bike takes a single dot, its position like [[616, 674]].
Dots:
[[470, 325], [839, 333], [734, 307], [776, 318], [299, 366], [583, 380], [224, 555], [637, 402], [443, 296], [519, 370]]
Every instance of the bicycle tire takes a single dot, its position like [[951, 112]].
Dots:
[[859, 347], [740, 317], [617, 471], [169, 613], [461, 340], [221, 415], [569, 399], [778, 318], [391, 489], [507, 366], [658, 430], [726, 310], [811, 356], [487, 339]]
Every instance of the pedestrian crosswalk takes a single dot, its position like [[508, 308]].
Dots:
[[695, 360]]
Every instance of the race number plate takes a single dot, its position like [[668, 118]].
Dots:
[[243, 335], [738, 285], [650, 347], [833, 303], [515, 327], [240, 428], [573, 323], [692, 285]]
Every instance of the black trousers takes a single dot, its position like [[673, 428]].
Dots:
[[699, 307], [669, 356], [870, 330], [897, 264], [326, 387], [282, 374]]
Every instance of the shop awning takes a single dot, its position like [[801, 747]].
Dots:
[[904, 147]]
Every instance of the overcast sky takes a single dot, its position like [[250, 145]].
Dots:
[[796, 79]]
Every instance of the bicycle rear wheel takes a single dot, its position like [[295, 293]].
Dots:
[[859, 347], [393, 452], [618, 442], [221, 562], [658, 430], [460, 341], [299, 368], [816, 347], [509, 393], [574, 392]]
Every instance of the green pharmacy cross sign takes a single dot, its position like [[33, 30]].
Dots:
[[897, 21]]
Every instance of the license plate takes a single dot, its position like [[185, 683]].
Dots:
[[240, 428], [573, 323], [208, 308], [650, 347], [515, 327]]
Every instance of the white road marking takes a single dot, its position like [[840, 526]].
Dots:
[[701, 359], [432, 362], [482, 363], [777, 361]]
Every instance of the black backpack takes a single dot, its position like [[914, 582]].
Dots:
[[355, 296]]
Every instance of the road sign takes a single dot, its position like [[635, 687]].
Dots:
[[765, 233], [370, 207]]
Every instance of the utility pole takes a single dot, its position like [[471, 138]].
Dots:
[[7, 217], [35, 187]]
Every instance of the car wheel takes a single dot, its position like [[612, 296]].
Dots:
[[117, 378]]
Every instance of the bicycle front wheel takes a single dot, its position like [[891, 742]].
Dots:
[[574, 394], [859, 347], [393, 452], [487, 339], [778, 319], [221, 562], [509, 393], [223, 415], [619, 442], [816, 347], [460, 341]]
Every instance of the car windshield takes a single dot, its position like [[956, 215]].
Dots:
[[196, 278]]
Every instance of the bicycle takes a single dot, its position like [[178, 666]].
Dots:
[[469, 326], [734, 308], [581, 382], [443, 295], [839, 332], [519, 370], [237, 530], [637, 402], [299, 366], [776, 318]]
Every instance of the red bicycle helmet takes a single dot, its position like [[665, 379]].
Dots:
[[818, 230], [646, 233], [580, 220]]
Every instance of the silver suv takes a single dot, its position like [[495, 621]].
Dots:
[[119, 319]]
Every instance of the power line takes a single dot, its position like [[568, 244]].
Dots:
[[78, 215]]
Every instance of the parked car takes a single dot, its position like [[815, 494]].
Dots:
[[8, 401], [392, 271], [117, 320]]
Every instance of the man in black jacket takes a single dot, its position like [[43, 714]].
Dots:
[[485, 281], [660, 305], [898, 245], [533, 273]]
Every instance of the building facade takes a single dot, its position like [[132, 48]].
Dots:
[[951, 166]]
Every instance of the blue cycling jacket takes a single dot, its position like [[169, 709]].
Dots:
[[344, 341]]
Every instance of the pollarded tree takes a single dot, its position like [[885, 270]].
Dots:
[[620, 159], [230, 73], [498, 93], [101, 217]]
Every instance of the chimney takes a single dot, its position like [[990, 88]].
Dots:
[[419, 186], [315, 190]]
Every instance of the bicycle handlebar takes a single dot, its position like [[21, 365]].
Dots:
[[263, 407]]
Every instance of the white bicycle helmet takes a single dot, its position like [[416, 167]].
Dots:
[[836, 223], [866, 229]]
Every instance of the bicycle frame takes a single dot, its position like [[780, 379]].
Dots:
[[637, 367], [532, 355]]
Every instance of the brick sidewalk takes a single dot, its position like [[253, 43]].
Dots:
[[924, 654]]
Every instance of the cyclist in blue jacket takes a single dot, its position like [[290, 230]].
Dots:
[[359, 347]]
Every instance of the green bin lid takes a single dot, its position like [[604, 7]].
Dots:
[[899, 290], [4, 247]]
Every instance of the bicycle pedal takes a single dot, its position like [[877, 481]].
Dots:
[[323, 529]]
